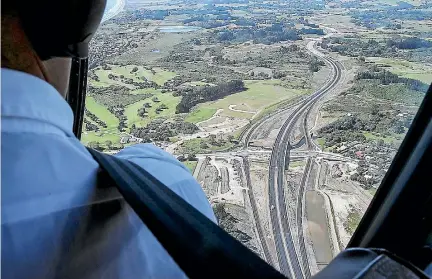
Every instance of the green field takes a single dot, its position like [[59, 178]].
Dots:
[[260, 94], [372, 191], [104, 134], [391, 139], [165, 98], [100, 137], [102, 113], [353, 219], [295, 164], [200, 114], [159, 76], [321, 142], [191, 165], [257, 98], [109, 133], [405, 68]]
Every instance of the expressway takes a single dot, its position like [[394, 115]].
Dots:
[[291, 261]]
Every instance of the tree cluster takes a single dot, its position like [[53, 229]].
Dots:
[[267, 35], [118, 111], [90, 126], [140, 85], [315, 31], [383, 17], [385, 77], [409, 43], [134, 15], [161, 130], [315, 64], [115, 95], [211, 93], [95, 119]]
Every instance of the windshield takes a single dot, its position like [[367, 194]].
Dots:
[[288, 113]]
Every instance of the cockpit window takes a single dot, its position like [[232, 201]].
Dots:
[[287, 113]]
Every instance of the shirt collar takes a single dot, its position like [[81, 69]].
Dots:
[[24, 96]]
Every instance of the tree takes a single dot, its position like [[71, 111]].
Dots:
[[142, 112], [230, 138], [108, 144], [95, 145], [212, 139], [203, 145], [211, 93], [181, 158], [192, 157], [155, 99], [162, 107], [375, 109]]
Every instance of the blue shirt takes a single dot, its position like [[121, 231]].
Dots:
[[48, 181]]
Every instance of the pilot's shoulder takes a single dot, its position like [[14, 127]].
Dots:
[[148, 152]]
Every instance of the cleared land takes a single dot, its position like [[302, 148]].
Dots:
[[203, 145]]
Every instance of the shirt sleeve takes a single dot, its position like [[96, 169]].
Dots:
[[170, 172]]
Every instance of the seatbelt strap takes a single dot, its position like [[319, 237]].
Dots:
[[197, 245]]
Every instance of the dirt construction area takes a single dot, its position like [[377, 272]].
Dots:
[[348, 200], [223, 181]]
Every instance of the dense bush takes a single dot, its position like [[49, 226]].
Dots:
[[210, 93], [160, 130], [409, 43], [267, 35], [95, 119], [385, 77], [115, 95], [118, 111]]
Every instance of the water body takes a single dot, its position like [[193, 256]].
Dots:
[[178, 29], [110, 4], [318, 228], [112, 8]]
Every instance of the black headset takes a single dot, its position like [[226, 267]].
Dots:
[[60, 28], [63, 28]]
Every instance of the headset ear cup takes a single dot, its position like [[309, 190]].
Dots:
[[61, 28]]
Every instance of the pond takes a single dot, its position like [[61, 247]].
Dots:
[[178, 29]]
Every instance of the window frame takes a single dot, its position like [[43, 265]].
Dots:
[[77, 93]]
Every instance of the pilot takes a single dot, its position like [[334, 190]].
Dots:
[[48, 178]]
